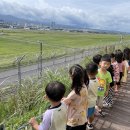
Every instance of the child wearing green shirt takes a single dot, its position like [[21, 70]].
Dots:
[[104, 78]]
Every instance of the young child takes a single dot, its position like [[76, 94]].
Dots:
[[119, 59], [77, 100], [55, 117], [108, 99], [92, 70], [126, 58], [97, 59], [104, 78], [116, 76]]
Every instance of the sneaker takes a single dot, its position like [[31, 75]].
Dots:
[[90, 126], [110, 105], [105, 105]]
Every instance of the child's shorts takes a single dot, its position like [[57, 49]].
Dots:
[[91, 111], [100, 101]]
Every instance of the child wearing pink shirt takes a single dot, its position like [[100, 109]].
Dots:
[[119, 59], [77, 100], [116, 76]]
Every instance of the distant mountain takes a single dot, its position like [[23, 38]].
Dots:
[[12, 19]]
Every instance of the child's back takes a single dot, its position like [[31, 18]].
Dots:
[[92, 92], [77, 107], [77, 100], [55, 118], [126, 67]]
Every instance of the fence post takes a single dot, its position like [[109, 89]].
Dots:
[[38, 66], [106, 49], [74, 57], [41, 48], [19, 59]]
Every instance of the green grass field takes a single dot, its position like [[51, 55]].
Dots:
[[14, 43]]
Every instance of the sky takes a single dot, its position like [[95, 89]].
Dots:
[[96, 14]]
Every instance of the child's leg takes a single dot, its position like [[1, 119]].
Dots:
[[116, 86], [90, 119], [99, 103], [91, 115]]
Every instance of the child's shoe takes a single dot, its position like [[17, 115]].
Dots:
[[102, 114], [90, 126]]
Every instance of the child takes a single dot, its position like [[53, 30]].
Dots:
[[119, 59], [97, 59], [126, 56], [108, 99], [116, 76], [55, 117], [77, 100], [104, 78], [92, 70]]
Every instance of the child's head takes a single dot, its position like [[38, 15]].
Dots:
[[119, 56], [126, 53], [97, 59], [77, 75], [55, 91], [105, 62], [112, 55], [92, 69]]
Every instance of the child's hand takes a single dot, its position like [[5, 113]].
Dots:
[[106, 93], [66, 101], [33, 123], [63, 98]]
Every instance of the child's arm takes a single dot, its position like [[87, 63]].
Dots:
[[66, 100], [117, 73], [107, 89], [109, 80], [123, 69], [69, 98], [34, 123]]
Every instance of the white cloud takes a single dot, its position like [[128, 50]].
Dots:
[[102, 14]]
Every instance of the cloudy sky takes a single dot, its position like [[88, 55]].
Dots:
[[99, 14]]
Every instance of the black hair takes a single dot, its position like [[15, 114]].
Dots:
[[91, 68], [55, 91], [126, 54], [112, 55], [111, 70], [106, 57], [86, 78], [77, 73], [119, 56], [97, 58]]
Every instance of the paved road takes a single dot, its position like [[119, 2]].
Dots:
[[12, 75]]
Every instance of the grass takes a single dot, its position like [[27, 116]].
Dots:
[[28, 101], [14, 43]]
